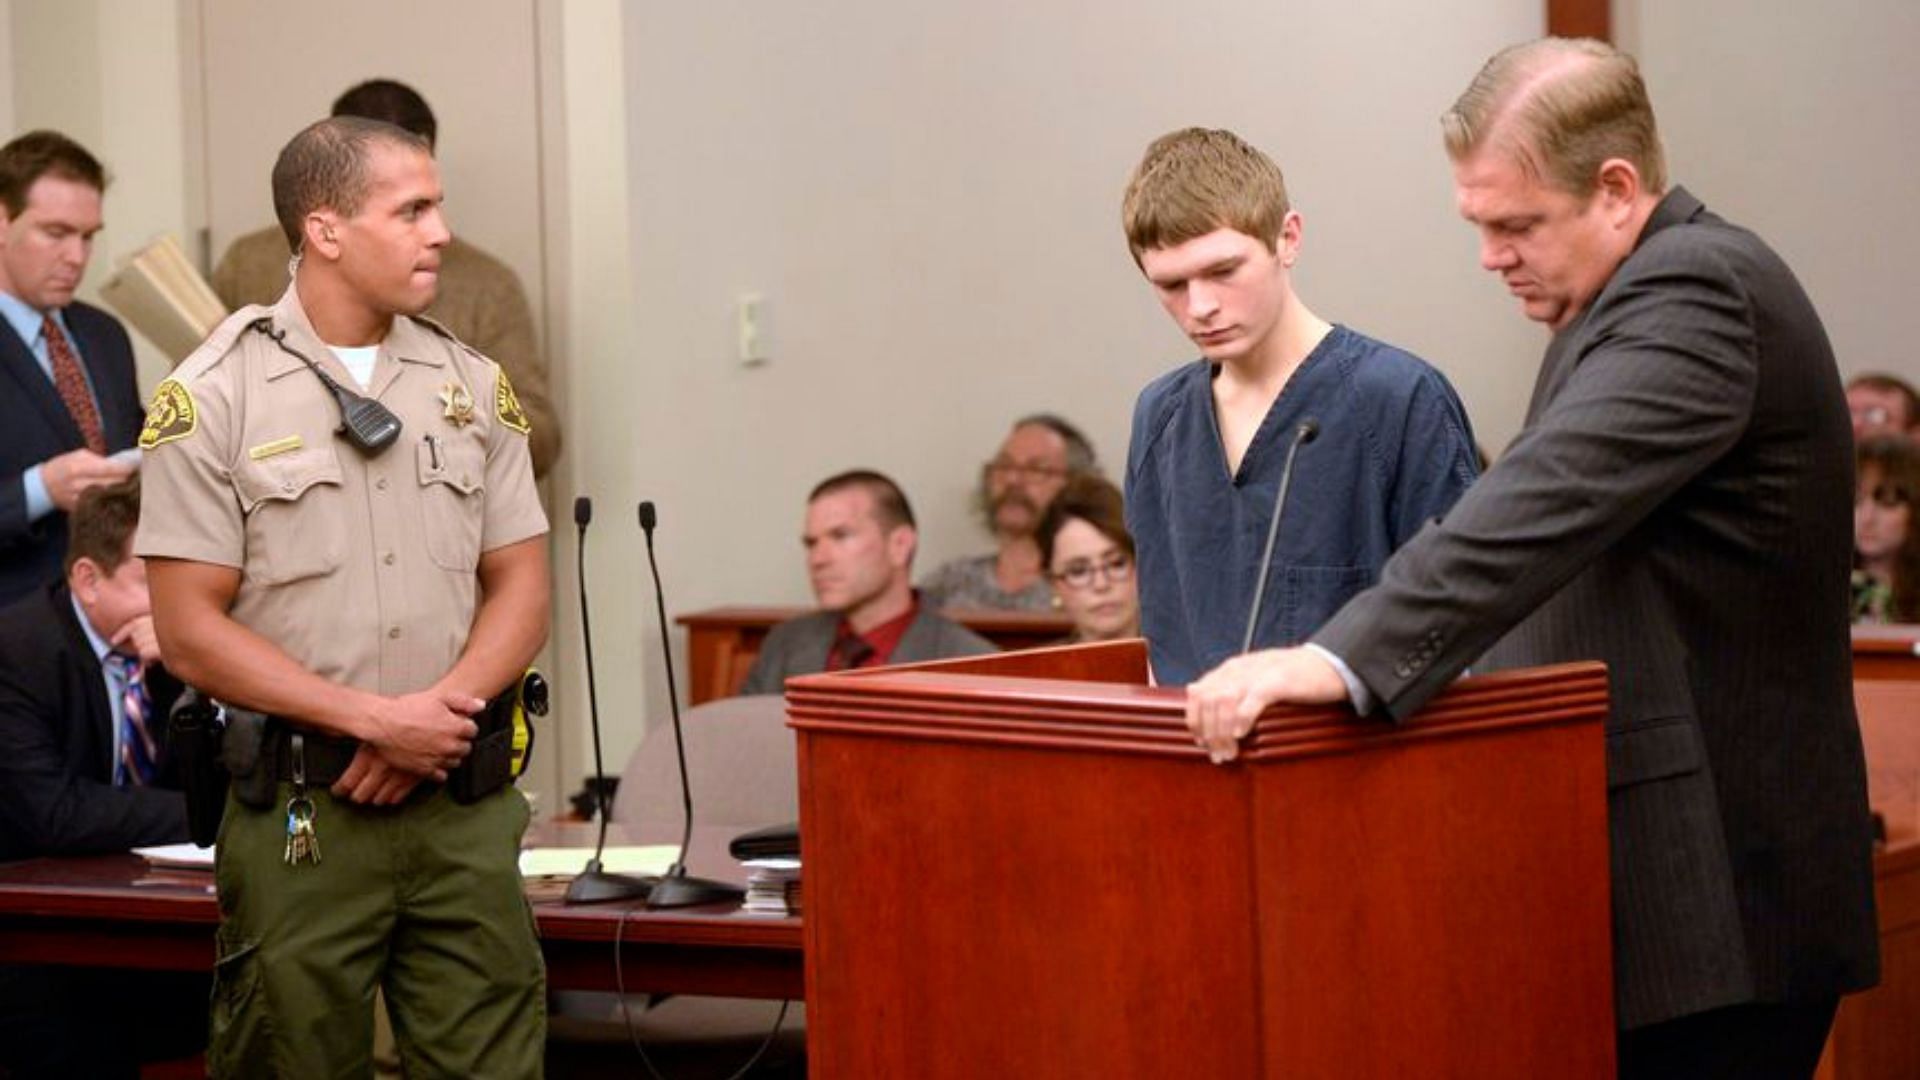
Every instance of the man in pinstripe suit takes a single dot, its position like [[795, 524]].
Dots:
[[1677, 506]]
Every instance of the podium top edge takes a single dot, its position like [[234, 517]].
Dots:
[[1564, 692]]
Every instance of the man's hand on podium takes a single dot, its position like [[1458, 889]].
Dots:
[[1224, 703]]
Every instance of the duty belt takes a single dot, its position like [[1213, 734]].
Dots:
[[327, 755]]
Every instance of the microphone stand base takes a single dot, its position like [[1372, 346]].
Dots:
[[598, 887], [679, 890]]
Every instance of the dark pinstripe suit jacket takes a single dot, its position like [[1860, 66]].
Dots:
[[1678, 506], [35, 425]]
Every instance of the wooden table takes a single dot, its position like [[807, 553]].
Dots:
[[116, 911], [1886, 652], [1873, 1035], [723, 642]]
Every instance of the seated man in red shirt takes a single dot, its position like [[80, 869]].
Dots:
[[860, 538]]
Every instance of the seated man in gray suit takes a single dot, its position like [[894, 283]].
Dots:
[[860, 539]]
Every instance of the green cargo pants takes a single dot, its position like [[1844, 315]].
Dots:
[[423, 900]]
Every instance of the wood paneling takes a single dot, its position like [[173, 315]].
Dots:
[[1018, 876], [722, 643], [1580, 18]]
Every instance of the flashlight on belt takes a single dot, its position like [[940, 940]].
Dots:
[[529, 699]]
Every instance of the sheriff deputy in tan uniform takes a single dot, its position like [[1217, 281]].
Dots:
[[369, 598]]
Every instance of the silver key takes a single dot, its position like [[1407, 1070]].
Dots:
[[303, 844]]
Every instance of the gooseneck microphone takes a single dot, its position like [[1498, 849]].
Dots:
[[676, 888], [1302, 435], [594, 885]]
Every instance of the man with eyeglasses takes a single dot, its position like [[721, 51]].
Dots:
[[1038, 457], [1882, 405], [1208, 221], [860, 537]]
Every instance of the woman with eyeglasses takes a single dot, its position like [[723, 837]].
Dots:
[[1886, 544], [1088, 556]]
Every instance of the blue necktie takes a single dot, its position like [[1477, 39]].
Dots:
[[138, 756]]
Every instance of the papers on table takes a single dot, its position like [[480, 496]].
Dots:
[[773, 887], [570, 861], [534, 862], [178, 856]]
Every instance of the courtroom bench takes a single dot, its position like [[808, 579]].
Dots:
[[723, 642]]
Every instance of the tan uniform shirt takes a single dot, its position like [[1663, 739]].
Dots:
[[363, 569], [479, 299]]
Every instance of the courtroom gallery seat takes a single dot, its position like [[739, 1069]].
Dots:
[[740, 762]]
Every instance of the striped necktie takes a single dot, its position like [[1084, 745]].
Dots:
[[139, 756], [71, 384]]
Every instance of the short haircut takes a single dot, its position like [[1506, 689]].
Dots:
[[1194, 181], [44, 153], [325, 167], [102, 524], [890, 506], [1891, 384], [1561, 107], [395, 102], [1092, 499]]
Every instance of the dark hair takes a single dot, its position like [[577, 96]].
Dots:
[[44, 153], [1891, 384], [102, 524], [395, 102], [1897, 460], [890, 505], [1087, 498], [325, 166]]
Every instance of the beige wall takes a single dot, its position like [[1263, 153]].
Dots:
[[488, 112], [928, 197], [109, 74], [6, 50], [1796, 120], [590, 297]]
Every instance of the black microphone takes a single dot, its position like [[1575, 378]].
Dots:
[[676, 888], [1302, 435], [594, 885]]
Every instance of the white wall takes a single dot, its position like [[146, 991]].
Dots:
[[1796, 120]]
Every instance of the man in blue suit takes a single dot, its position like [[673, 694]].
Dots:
[[69, 407]]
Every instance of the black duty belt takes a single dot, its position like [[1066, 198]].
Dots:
[[327, 755]]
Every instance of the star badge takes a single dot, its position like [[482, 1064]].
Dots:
[[459, 404]]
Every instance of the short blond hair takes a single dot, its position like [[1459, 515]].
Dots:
[[1196, 180], [1562, 107]]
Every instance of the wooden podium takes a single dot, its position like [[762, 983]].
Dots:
[[1020, 865]]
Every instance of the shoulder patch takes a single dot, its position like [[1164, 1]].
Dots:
[[508, 406], [171, 416]]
